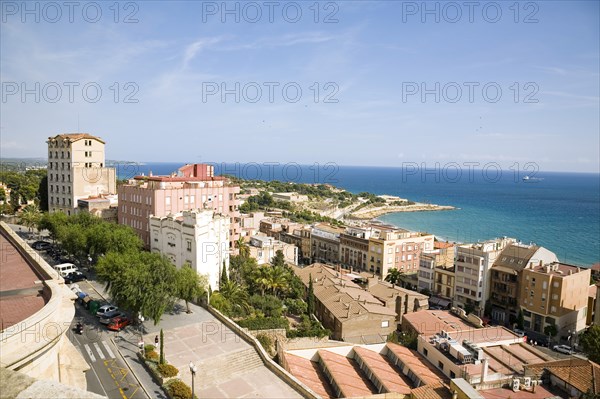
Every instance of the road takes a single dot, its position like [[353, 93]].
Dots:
[[108, 375]]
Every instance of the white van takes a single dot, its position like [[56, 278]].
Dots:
[[65, 268]]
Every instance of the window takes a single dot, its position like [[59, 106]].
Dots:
[[189, 245], [544, 285], [440, 365], [385, 324], [186, 199], [555, 284], [168, 200], [553, 309], [452, 374], [425, 352], [554, 297]]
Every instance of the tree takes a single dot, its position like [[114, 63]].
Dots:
[[30, 216], [521, 320], [243, 248], [237, 297], [469, 307], [551, 330], [161, 359], [310, 297], [224, 279], [190, 285], [395, 276], [262, 279], [142, 282], [590, 343], [278, 259]]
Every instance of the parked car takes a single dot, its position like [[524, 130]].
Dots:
[[105, 309], [118, 323], [107, 317], [565, 349], [65, 268], [520, 333], [41, 245], [75, 277]]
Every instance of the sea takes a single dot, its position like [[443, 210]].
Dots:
[[560, 211]]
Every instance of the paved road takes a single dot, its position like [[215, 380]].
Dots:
[[109, 375]]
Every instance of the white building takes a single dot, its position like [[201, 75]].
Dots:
[[199, 237], [473, 264], [76, 170], [264, 248], [426, 274]]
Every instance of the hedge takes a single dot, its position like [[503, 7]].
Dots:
[[263, 323]]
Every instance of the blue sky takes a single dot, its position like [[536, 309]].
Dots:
[[361, 67]]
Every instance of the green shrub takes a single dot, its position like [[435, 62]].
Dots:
[[167, 370], [263, 323], [295, 306], [265, 341], [149, 348], [270, 305], [179, 390], [152, 355]]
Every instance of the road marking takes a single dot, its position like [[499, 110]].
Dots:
[[110, 352], [89, 352], [100, 353]]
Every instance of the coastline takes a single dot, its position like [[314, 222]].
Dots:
[[372, 213]]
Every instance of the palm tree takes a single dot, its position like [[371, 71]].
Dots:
[[243, 248], [261, 277], [30, 216], [236, 295], [395, 276], [279, 279]]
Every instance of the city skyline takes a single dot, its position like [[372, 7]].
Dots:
[[382, 84]]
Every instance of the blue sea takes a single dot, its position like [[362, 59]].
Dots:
[[560, 211]]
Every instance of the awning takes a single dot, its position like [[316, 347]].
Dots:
[[434, 301], [439, 301], [444, 302]]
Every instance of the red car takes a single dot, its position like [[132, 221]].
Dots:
[[118, 323]]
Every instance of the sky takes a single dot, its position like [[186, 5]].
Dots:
[[349, 82]]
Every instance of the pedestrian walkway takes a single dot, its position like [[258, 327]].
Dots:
[[228, 367], [98, 351]]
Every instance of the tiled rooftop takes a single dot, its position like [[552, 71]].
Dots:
[[309, 373], [346, 375], [432, 391], [419, 366], [429, 322], [501, 393], [383, 370], [582, 374]]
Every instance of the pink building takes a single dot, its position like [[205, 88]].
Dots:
[[192, 187]]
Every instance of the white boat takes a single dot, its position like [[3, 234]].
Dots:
[[525, 178]]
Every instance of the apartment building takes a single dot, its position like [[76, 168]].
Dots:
[[472, 272], [198, 237], [193, 186], [391, 247], [104, 207], [441, 256], [76, 169], [443, 288], [250, 223], [354, 247], [554, 294], [298, 235], [506, 276], [325, 243], [263, 249]]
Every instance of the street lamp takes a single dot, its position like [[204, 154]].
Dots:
[[140, 328], [193, 370]]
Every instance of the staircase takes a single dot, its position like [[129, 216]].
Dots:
[[229, 365]]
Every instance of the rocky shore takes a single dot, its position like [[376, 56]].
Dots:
[[371, 213]]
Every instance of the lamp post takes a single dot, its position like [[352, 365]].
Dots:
[[193, 370], [141, 327]]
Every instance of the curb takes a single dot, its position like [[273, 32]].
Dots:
[[130, 369]]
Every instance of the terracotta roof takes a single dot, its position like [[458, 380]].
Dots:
[[386, 291], [383, 370], [308, 372], [76, 137], [596, 267], [345, 374], [430, 322], [563, 268], [442, 244], [540, 393], [336, 291], [415, 363], [582, 374], [432, 391]]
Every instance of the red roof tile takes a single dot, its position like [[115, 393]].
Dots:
[[383, 370], [346, 376], [308, 372]]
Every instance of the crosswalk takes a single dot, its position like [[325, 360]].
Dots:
[[98, 351]]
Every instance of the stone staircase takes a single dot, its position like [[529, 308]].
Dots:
[[229, 365]]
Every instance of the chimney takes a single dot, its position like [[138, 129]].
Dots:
[[541, 263], [548, 269], [570, 271], [484, 370]]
